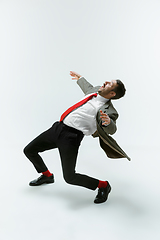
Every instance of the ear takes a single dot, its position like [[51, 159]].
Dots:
[[112, 94]]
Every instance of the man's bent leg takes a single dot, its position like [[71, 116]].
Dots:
[[43, 142], [68, 159]]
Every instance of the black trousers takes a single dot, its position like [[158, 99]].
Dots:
[[67, 140]]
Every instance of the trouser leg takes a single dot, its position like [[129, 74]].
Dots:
[[69, 145], [43, 142], [67, 141]]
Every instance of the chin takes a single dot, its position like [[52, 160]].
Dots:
[[100, 93]]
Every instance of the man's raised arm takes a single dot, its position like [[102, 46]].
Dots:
[[83, 83]]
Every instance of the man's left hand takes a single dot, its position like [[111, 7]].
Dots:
[[105, 118]]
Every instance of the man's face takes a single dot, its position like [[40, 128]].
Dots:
[[106, 89]]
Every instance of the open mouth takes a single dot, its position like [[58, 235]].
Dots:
[[103, 85]]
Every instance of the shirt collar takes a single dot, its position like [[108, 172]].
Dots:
[[102, 99]]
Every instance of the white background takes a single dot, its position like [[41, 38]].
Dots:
[[40, 42]]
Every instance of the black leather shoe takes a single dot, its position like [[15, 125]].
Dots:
[[41, 180], [102, 194]]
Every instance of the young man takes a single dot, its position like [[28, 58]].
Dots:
[[93, 115]]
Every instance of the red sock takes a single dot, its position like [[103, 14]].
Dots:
[[47, 173], [102, 184]]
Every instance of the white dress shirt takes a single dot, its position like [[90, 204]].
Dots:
[[84, 117]]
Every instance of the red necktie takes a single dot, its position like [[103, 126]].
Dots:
[[77, 105]]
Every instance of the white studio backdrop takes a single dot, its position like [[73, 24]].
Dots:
[[40, 42]]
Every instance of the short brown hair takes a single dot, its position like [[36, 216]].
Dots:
[[119, 90]]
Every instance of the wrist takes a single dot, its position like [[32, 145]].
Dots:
[[79, 76]]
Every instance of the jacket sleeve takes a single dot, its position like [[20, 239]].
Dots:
[[86, 86], [111, 128]]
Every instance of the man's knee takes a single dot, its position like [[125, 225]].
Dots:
[[70, 179], [26, 151]]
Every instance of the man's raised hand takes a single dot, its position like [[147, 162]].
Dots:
[[75, 76]]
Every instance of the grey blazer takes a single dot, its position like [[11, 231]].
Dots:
[[107, 143]]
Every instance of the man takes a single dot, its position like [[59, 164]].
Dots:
[[93, 115]]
